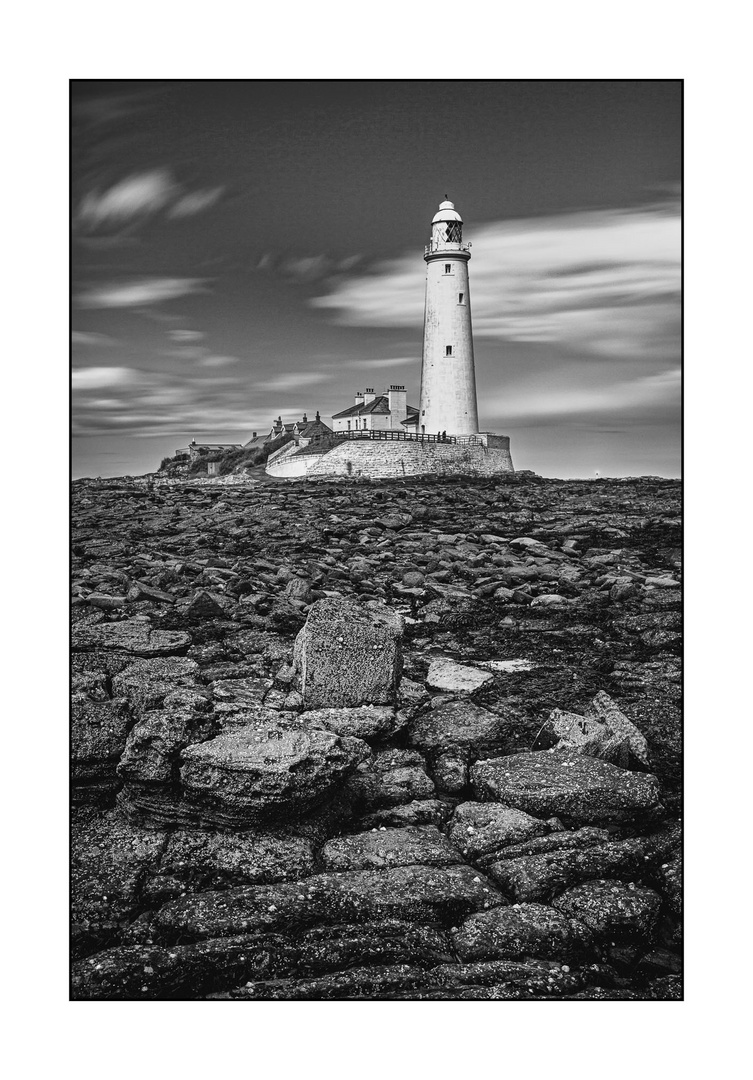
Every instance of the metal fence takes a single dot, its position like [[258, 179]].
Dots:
[[387, 436]]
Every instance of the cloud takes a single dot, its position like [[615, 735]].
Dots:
[[570, 392], [599, 282], [396, 361], [80, 337], [139, 293], [293, 380], [218, 361], [185, 335], [195, 202], [97, 378], [136, 195]]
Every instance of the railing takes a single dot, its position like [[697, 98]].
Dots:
[[392, 436]]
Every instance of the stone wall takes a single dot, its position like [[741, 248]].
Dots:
[[396, 459]]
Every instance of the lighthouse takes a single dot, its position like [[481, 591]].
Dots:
[[448, 378]]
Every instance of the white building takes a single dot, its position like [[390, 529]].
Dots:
[[448, 379], [389, 411]]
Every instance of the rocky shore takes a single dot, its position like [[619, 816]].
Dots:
[[403, 740]]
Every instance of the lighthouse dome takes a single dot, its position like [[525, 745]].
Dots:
[[447, 212]]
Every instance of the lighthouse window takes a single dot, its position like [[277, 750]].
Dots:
[[448, 350], [460, 298], [454, 232], [448, 268]]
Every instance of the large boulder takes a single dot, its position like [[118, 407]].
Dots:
[[267, 772], [99, 730], [584, 790], [349, 654], [368, 722]]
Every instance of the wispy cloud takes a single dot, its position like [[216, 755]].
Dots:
[[576, 392], [140, 293], [185, 335], [218, 361], [395, 361], [601, 282], [194, 202], [135, 195], [292, 380], [81, 337], [97, 378], [139, 196]]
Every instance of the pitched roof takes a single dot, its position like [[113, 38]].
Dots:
[[380, 405]]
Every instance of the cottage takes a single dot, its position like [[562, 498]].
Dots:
[[384, 412]]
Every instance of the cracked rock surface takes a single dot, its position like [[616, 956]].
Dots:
[[413, 740]]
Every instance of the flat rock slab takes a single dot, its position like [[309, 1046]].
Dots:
[[383, 849], [459, 725], [267, 771], [524, 930], [149, 972], [479, 829], [582, 789], [133, 636], [194, 859], [434, 895], [448, 675], [540, 876], [612, 908], [369, 722]]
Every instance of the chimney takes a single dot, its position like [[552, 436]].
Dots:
[[398, 402], [359, 398], [369, 395], [303, 419], [253, 434], [317, 416]]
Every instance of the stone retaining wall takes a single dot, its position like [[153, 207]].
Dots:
[[395, 459]]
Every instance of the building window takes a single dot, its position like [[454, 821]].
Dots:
[[448, 268], [448, 350], [460, 298]]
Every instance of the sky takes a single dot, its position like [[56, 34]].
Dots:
[[244, 250]]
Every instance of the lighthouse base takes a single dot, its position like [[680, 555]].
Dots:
[[379, 459]]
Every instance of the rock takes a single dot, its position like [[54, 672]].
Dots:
[[133, 636], [603, 709], [460, 725], [99, 730], [368, 722], [437, 895], [215, 860], [448, 675], [413, 579], [481, 829], [105, 602], [450, 772], [266, 772], [396, 777], [543, 874], [147, 683], [550, 600], [348, 655], [152, 751], [422, 845], [205, 605], [525, 930], [611, 908], [109, 859], [664, 582], [581, 789], [417, 812]]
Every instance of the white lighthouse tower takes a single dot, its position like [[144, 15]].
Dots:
[[448, 378]]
